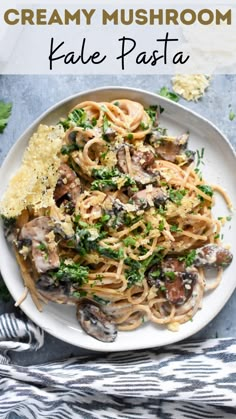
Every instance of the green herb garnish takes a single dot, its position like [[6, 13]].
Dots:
[[110, 253], [176, 195], [67, 149], [170, 275], [152, 113], [129, 241], [79, 294], [72, 272], [100, 300], [161, 225], [165, 92], [156, 274], [175, 229], [189, 258], [232, 115], [76, 118], [206, 189], [143, 126], [5, 113], [42, 246]]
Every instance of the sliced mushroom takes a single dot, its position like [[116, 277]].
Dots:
[[172, 149], [212, 255], [44, 248], [95, 322], [140, 162], [147, 198], [143, 158], [110, 134], [60, 293], [173, 279], [68, 184]]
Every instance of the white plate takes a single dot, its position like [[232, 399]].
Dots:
[[220, 164]]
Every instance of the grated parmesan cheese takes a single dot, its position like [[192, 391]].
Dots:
[[190, 86], [35, 181]]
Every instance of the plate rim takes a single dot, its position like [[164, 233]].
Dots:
[[98, 346]]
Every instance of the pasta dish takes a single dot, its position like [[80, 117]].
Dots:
[[111, 213]]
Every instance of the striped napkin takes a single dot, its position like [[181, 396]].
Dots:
[[194, 380]]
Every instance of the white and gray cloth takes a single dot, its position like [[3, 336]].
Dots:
[[194, 380]]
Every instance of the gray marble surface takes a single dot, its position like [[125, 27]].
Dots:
[[31, 95]]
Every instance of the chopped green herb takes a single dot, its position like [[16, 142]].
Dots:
[[100, 300], [103, 108], [106, 124], [220, 218], [217, 236], [94, 122], [76, 118], [228, 218], [136, 271], [111, 183], [152, 113], [161, 210], [143, 126], [176, 195], [67, 149], [170, 275], [83, 224], [198, 172], [130, 136], [162, 288], [175, 229], [79, 294], [189, 258], [232, 115], [130, 220], [168, 94], [5, 113], [161, 225], [110, 253], [156, 274], [105, 173], [108, 178], [42, 246], [200, 155], [104, 218], [103, 155], [148, 227], [73, 272], [207, 189], [129, 241], [135, 189], [77, 218], [116, 104]]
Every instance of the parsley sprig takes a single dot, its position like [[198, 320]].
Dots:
[[5, 113]]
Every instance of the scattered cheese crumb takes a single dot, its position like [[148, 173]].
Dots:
[[173, 327], [35, 181], [190, 86]]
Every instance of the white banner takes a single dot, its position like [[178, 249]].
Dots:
[[132, 37]]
